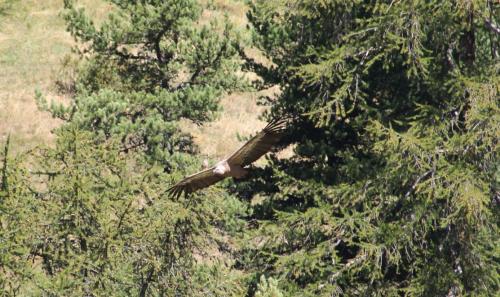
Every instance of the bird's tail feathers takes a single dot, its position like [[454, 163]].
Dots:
[[277, 126]]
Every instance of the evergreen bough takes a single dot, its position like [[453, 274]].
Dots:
[[91, 216], [148, 65], [393, 190]]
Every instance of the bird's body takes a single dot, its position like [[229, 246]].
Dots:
[[233, 166], [223, 168]]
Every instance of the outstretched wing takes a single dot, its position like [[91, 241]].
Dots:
[[195, 182], [259, 144]]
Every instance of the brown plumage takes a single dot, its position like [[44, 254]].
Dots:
[[233, 165]]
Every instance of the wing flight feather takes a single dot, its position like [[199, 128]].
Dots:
[[259, 145], [194, 182]]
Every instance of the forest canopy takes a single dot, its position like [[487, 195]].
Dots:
[[393, 187]]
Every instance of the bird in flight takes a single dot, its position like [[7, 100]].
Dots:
[[233, 166]]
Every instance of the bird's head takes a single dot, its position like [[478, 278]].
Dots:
[[219, 170]]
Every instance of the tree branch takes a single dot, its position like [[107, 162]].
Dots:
[[4, 185], [490, 25], [417, 181]]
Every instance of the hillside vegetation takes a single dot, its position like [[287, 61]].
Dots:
[[36, 54], [33, 48], [385, 182]]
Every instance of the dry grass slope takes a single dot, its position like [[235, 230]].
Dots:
[[34, 46]]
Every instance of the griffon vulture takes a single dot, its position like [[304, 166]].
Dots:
[[233, 165]]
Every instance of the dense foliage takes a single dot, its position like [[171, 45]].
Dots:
[[392, 190], [97, 223], [92, 217], [150, 63], [394, 187]]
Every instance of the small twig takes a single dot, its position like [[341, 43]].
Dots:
[[4, 185], [412, 189], [354, 261], [492, 26]]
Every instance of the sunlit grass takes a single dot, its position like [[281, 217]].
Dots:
[[34, 46], [33, 43]]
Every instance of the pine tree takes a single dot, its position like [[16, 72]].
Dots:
[[89, 220], [16, 202], [101, 222], [102, 225], [393, 189], [147, 65]]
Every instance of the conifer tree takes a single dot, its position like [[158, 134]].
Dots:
[[102, 225], [149, 64], [101, 221], [16, 202], [393, 189]]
